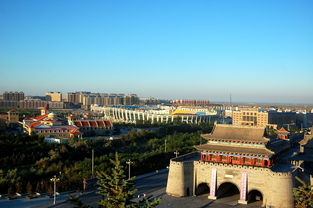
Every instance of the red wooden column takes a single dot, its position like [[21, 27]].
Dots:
[[219, 158], [228, 159], [208, 157], [263, 163], [241, 161], [253, 161]]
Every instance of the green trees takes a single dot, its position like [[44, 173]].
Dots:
[[303, 195], [117, 191], [26, 158]]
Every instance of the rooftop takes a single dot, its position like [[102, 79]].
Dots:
[[237, 150], [231, 132]]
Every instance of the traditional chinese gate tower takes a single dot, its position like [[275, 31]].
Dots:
[[236, 155], [236, 145]]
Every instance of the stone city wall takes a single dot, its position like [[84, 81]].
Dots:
[[185, 176]]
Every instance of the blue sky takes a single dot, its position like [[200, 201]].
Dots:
[[256, 50]]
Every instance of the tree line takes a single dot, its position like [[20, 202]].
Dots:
[[27, 162]]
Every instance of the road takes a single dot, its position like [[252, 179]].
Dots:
[[150, 184]]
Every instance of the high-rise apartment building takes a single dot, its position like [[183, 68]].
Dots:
[[16, 96], [54, 96], [131, 99], [87, 98], [190, 102], [72, 97], [250, 118]]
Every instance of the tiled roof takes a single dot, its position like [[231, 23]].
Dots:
[[242, 133], [75, 132], [33, 125], [282, 131], [228, 149], [100, 123], [42, 126], [107, 123], [85, 123], [93, 123], [41, 117], [77, 123]]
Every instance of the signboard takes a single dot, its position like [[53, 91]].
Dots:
[[213, 182], [228, 176], [243, 192]]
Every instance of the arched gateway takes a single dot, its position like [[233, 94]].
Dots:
[[203, 188], [255, 196], [227, 189], [235, 162]]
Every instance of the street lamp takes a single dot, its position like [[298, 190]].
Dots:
[[54, 180], [92, 162], [129, 162]]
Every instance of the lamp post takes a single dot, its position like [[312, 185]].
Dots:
[[129, 162], [54, 180], [176, 153], [92, 162]]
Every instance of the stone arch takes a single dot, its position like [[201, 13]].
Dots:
[[227, 189], [255, 196], [203, 188]]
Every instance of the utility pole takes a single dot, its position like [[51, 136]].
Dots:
[[129, 162], [176, 153], [54, 180], [165, 145], [92, 162]]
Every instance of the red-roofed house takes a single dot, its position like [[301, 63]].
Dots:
[[12, 116], [282, 134], [91, 127], [50, 126]]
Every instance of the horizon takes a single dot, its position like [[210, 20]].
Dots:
[[259, 52], [233, 102]]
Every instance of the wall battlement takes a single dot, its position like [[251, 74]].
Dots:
[[186, 174]]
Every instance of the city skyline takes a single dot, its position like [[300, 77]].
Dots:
[[255, 51]]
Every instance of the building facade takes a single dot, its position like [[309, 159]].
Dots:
[[190, 102], [250, 118], [91, 127], [15, 96], [88, 98], [31, 104], [135, 115], [12, 116], [54, 96], [49, 125]]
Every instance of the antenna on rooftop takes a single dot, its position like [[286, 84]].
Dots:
[[230, 99]]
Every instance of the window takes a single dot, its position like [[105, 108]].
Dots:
[[248, 160], [258, 161], [236, 158]]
